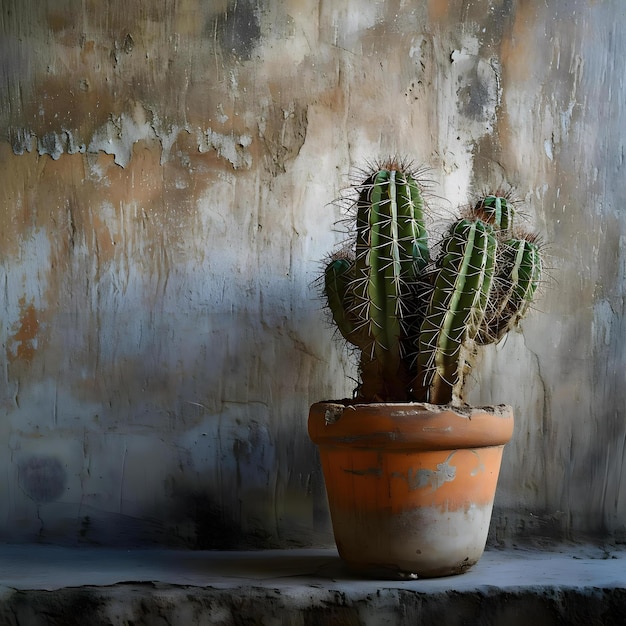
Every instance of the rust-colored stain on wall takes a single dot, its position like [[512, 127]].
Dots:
[[437, 9], [22, 344]]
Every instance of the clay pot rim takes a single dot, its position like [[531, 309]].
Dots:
[[460, 409], [409, 425]]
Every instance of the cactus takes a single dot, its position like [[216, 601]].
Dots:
[[495, 210], [517, 279], [457, 306], [416, 319]]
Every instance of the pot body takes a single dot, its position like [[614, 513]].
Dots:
[[410, 486]]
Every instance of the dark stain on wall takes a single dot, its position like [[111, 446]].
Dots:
[[237, 30], [42, 478], [474, 99]]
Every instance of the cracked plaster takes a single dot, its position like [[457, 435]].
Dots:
[[167, 177]]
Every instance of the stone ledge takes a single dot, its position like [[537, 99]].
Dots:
[[57, 585]]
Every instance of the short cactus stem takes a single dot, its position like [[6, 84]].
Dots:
[[496, 211], [338, 277], [517, 279], [457, 307]]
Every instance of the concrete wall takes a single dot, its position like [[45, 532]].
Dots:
[[167, 169]]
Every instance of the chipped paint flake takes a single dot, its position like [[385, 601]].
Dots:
[[230, 146], [422, 478]]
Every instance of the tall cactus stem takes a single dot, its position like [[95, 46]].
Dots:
[[391, 248]]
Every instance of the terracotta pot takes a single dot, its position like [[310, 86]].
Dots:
[[410, 486]]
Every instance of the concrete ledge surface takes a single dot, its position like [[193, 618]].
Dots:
[[41, 584]]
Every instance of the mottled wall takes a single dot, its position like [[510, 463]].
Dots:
[[167, 169]]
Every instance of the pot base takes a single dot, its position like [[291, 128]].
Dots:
[[410, 491], [392, 572], [425, 540]]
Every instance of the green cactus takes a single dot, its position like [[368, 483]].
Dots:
[[457, 306], [415, 319], [495, 210], [518, 275]]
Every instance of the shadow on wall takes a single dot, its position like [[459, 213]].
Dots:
[[269, 511], [182, 456]]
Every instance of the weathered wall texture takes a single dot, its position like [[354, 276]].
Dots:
[[166, 173]]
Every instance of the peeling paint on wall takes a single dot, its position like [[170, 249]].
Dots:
[[167, 174]]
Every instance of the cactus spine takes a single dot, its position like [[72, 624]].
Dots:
[[415, 319]]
